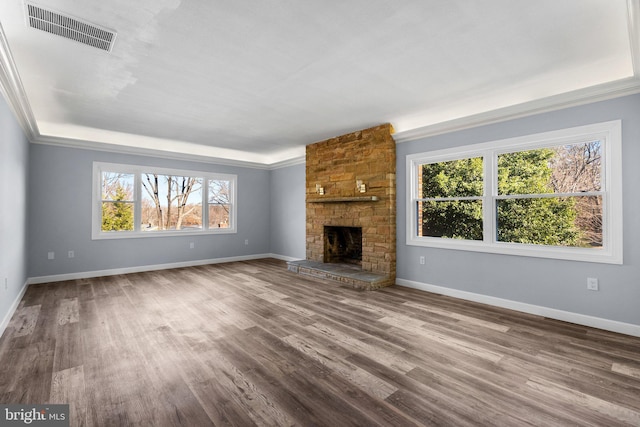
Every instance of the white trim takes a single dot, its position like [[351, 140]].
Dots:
[[140, 151], [611, 252], [83, 144], [552, 313], [603, 92], [633, 9], [284, 257], [300, 160], [140, 269], [13, 308]]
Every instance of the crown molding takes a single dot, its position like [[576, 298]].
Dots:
[[13, 90], [139, 151], [171, 155], [633, 13], [299, 160], [588, 95]]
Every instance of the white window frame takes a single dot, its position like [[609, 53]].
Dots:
[[137, 171], [610, 133]]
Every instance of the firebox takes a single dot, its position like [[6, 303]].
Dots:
[[343, 245]]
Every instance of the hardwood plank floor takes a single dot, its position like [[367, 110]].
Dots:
[[250, 343]]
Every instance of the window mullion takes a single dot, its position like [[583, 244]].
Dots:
[[490, 191], [548, 195], [449, 199], [137, 204], [205, 203]]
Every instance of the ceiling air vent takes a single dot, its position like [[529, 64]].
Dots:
[[70, 28]]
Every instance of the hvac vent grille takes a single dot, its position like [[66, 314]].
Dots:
[[70, 28]]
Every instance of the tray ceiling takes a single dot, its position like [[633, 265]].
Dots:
[[256, 81]]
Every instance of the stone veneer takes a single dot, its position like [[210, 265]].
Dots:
[[335, 164]]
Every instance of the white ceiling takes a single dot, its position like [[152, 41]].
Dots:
[[258, 80]]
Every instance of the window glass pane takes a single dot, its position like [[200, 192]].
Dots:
[[562, 169], [461, 219], [117, 207], [219, 200], [219, 216], [455, 178], [117, 216], [556, 221], [171, 202], [117, 186]]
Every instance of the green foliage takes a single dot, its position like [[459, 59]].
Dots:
[[456, 178], [117, 215], [459, 219], [525, 172], [547, 221], [538, 221], [455, 219]]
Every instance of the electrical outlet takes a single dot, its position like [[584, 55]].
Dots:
[[246, 241], [192, 245], [51, 255], [422, 260], [592, 283], [71, 254]]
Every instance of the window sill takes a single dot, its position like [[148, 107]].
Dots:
[[517, 249], [152, 234]]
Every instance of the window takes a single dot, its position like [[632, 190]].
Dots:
[[555, 195], [137, 201]]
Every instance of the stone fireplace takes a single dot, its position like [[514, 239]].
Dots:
[[351, 184]]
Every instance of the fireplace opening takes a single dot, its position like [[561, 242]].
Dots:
[[343, 245]]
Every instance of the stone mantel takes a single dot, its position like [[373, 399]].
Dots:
[[344, 199]]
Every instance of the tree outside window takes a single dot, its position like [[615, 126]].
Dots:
[[117, 202], [171, 202]]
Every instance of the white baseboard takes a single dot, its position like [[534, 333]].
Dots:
[[552, 313], [12, 309], [142, 268], [284, 257]]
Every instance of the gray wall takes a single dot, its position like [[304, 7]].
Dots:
[[60, 216], [271, 215], [288, 217], [14, 154], [544, 282]]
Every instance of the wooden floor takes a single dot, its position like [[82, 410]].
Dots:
[[250, 343]]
